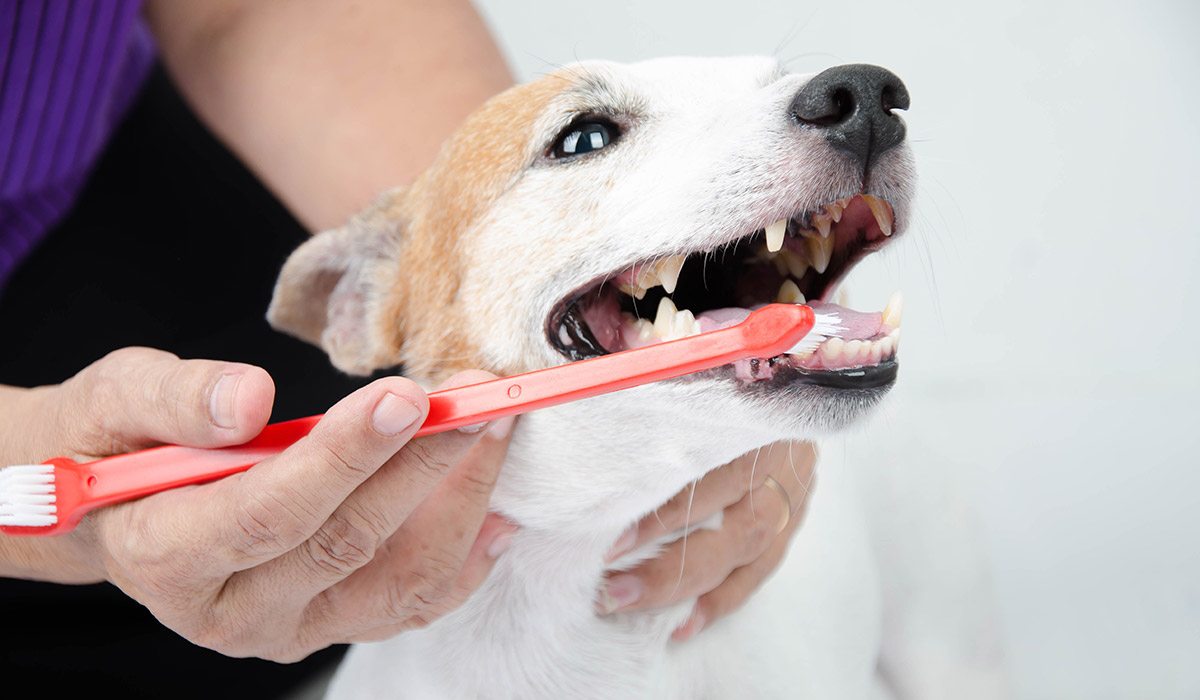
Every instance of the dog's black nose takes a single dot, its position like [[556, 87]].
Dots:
[[852, 105]]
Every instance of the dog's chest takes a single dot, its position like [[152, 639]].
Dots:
[[812, 631]]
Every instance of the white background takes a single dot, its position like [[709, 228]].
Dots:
[[1051, 347]]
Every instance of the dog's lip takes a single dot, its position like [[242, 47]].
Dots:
[[870, 219]]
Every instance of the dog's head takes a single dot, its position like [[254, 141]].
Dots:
[[608, 206]]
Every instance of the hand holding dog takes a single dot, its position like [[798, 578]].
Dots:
[[352, 534], [762, 497]]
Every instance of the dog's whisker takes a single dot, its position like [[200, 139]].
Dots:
[[687, 524]]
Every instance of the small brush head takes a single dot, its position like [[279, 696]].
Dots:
[[27, 496], [826, 326]]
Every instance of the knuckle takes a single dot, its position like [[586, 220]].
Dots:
[[341, 547], [418, 458], [758, 532], [349, 464], [418, 594], [478, 482], [264, 525]]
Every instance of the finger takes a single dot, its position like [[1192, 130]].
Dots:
[[253, 517], [429, 560], [717, 490], [134, 398], [349, 539], [492, 540], [699, 563], [733, 592]]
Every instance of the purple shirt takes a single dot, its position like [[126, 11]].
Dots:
[[68, 72]]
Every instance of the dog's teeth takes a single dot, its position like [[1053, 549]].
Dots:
[[789, 293], [685, 324], [822, 222], [832, 349], [668, 272], [853, 349], [775, 235], [810, 233], [796, 264], [664, 320], [883, 216], [632, 290], [820, 250], [834, 210], [893, 311]]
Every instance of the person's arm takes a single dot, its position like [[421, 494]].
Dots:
[[330, 103], [290, 556]]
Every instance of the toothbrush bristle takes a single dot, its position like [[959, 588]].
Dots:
[[27, 496], [827, 326]]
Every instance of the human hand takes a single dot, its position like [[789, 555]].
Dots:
[[349, 535], [763, 494]]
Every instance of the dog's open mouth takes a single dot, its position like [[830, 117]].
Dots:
[[796, 260]]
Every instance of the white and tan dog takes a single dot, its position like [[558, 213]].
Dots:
[[680, 190]]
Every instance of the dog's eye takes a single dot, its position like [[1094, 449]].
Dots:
[[584, 137]]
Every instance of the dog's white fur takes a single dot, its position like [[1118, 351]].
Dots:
[[707, 156]]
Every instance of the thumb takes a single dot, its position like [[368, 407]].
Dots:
[[135, 398]]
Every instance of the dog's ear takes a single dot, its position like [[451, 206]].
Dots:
[[330, 290]]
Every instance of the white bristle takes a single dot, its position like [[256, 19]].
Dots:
[[27, 496], [826, 326]]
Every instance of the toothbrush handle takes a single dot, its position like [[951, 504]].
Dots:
[[767, 332]]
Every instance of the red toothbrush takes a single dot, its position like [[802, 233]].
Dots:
[[51, 498]]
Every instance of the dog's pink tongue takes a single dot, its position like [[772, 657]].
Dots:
[[858, 325]]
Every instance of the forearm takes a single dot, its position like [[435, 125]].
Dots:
[[330, 103]]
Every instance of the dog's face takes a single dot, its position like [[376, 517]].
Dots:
[[558, 218]]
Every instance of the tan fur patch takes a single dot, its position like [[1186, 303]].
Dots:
[[423, 316]]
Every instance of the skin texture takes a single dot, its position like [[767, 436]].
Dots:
[[293, 88], [349, 535]]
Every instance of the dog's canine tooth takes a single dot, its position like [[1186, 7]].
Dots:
[[879, 209], [823, 223], [775, 234], [834, 211], [796, 264], [668, 271], [894, 310], [664, 320], [789, 293], [820, 250]]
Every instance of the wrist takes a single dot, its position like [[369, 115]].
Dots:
[[71, 558]]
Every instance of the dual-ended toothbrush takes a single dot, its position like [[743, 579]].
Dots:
[[51, 498]]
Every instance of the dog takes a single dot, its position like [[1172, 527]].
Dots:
[[606, 206]]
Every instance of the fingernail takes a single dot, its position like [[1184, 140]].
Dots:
[[623, 544], [393, 415], [622, 591], [501, 427], [501, 542], [689, 629], [223, 401]]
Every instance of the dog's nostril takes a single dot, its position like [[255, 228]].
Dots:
[[852, 105]]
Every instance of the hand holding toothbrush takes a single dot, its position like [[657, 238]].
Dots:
[[352, 534]]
